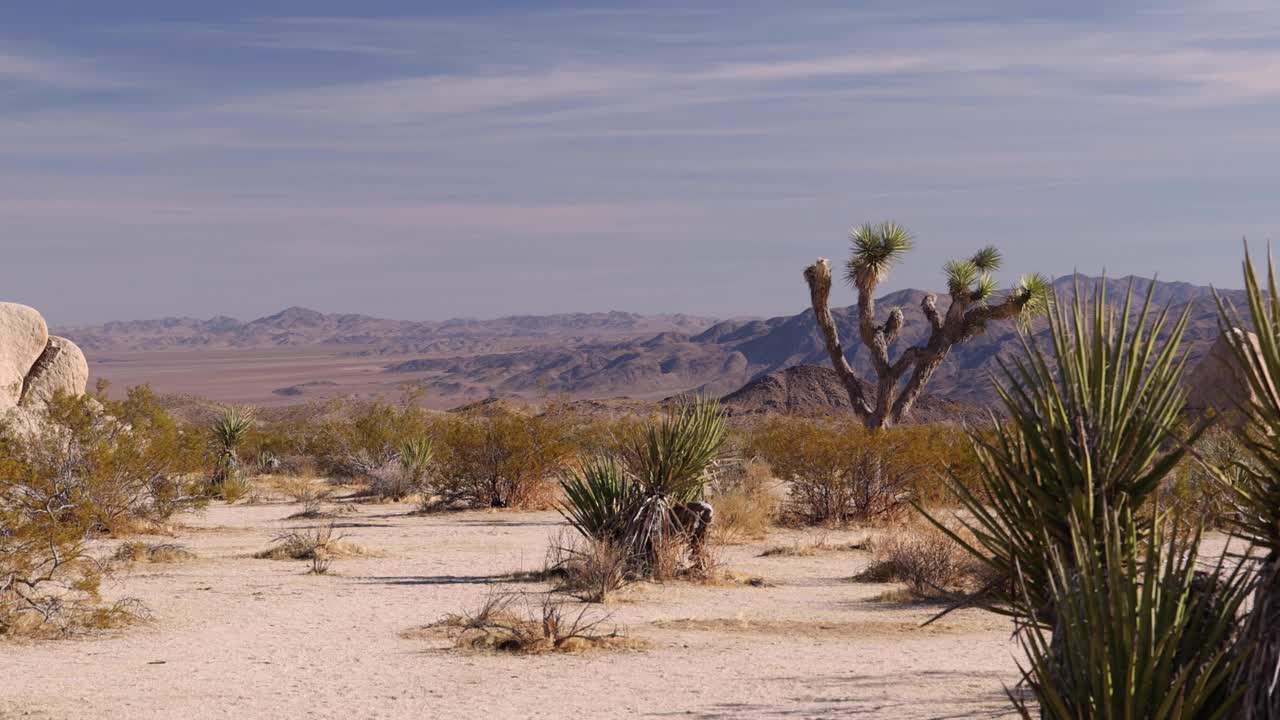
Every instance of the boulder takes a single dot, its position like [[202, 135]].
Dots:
[[1216, 384], [61, 367], [23, 337]]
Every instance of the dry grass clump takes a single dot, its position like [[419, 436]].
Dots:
[[743, 498], [135, 552], [511, 623], [310, 494], [76, 616], [929, 562], [318, 544], [822, 544], [589, 570]]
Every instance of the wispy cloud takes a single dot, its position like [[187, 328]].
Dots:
[[40, 70], [752, 134]]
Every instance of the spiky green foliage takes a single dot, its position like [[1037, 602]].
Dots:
[[415, 456], [961, 275], [1035, 292], [1087, 426], [875, 249], [230, 428], [633, 502], [1255, 486], [1258, 496], [1140, 631], [229, 431], [600, 500], [672, 457], [983, 289], [987, 259]]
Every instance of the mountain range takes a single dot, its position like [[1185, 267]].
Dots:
[[604, 355]]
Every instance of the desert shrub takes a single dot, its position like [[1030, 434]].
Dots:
[[309, 493], [96, 466], [512, 623], [119, 463], [139, 552], [839, 471], [497, 457], [1197, 493], [927, 560], [366, 438], [589, 570], [320, 545], [742, 494]]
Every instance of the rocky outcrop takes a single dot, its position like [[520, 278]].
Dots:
[[1216, 383], [62, 367], [34, 367], [23, 337]]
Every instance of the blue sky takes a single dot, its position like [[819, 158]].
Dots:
[[428, 160]]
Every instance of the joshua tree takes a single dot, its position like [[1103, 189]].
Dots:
[[972, 291]]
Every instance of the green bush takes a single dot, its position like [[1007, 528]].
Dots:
[[494, 456], [96, 466], [837, 470]]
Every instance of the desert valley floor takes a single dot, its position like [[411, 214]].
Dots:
[[233, 636]]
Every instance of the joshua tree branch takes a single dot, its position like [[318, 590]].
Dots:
[[818, 277], [930, 307], [975, 321]]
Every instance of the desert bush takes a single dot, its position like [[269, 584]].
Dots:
[[309, 493], [497, 457], [96, 466], [119, 463], [927, 560], [136, 552], [319, 544], [838, 471], [589, 570], [1198, 492], [514, 624], [367, 437]]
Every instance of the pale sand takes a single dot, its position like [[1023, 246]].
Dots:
[[236, 637]]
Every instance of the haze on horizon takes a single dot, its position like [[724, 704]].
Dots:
[[479, 159]]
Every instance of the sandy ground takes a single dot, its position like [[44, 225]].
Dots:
[[252, 376], [237, 637]]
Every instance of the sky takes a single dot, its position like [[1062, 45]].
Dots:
[[426, 160]]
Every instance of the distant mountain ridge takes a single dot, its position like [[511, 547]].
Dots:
[[298, 326], [604, 355]]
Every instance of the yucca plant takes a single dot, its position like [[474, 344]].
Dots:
[[600, 501], [415, 456], [672, 457], [1141, 632], [1086, 426], [643, 502], [1255, 487], [229, 431]]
